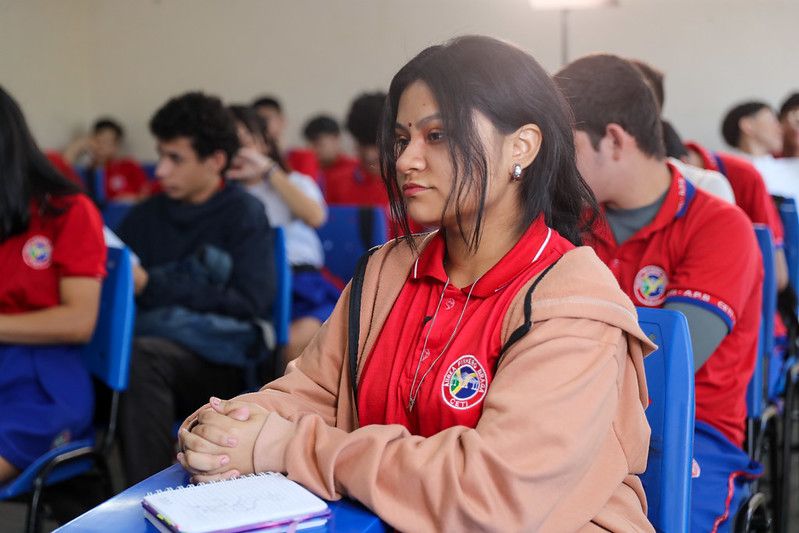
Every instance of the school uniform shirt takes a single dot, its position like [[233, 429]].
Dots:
[[68, 242], [562, 423], [701, 251], [124, 177], [348, 184], [304, 161], [419, 351], [748, 186]]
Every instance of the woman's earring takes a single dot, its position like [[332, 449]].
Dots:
[[517, 173]]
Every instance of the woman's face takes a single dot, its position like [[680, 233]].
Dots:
[[424, 168]]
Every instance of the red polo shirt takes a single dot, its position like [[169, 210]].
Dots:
[[702, 251], [125, 177], [348, 183], [748, 186], [65, 244], [453, 385]]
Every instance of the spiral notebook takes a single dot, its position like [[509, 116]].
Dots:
[[266, 501]]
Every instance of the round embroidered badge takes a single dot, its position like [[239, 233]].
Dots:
[[38, 252], [650, 285], [465, 383]]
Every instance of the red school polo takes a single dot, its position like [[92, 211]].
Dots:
[[701, 251], [348, 184], [748, 186], [69, 244], [455, 378], [124, 177]]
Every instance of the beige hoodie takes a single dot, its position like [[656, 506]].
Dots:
[[560, 440]]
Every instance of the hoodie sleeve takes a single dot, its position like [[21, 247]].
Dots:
[[545, 438]]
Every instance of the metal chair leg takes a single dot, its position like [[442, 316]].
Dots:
[[790, 416]]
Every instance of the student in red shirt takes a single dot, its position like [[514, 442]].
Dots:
[[674, 246], [746, 182], [124, 179], [361, 184], [323, 134], [52, 261], [498, 376]]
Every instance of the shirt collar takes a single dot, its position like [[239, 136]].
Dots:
[[678, 199], [708, 161], [530, 249]]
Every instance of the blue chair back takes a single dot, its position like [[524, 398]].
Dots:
[[94, 181], [348, 233], [756, 395], [149, 169], [107, 355], [670, 381], [115, 212], [790, 221], [281, 308]]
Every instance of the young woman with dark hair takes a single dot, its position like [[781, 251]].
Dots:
[[52, 261], [487, 376], [294, 202]]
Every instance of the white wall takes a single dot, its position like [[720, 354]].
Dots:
[[69, 61], [44, 64]]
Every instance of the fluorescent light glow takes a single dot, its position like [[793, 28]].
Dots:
[[570, 4]]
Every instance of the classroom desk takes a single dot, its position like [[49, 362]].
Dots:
[[123, 513]]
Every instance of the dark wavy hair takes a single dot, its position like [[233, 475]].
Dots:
[[509, 87], [256, 125], [731, 123], [25, 172], [203, 119], [363, 118]]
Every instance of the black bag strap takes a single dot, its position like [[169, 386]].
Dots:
[[354, 323], [366, 223], [525, 328]]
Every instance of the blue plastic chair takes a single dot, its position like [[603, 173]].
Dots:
[[790, 222], [670, 380], [115, 212], [94, 181], [757, 392], [149, 169], [348, 233], [281, 308], [107, 356]]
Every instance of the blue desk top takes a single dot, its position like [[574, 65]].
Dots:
[[123, 513]]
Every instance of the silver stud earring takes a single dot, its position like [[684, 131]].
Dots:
[[517, 172]]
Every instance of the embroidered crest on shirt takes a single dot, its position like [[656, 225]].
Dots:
[[465, 383], [38, 252], [650, 285]]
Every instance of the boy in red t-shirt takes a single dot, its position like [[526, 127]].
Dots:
[[323, 135], [673, 246], [124, 179], [361, 184]]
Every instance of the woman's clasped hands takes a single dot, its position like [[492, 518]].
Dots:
[[219, 443]]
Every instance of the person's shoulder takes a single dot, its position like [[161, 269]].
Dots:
[[245, 204], [579, 286], [740, 168]]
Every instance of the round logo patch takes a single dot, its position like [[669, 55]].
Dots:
[[465, 383], [650, 285], [38, 252]]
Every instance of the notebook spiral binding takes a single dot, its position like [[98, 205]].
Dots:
[[190, 486]]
